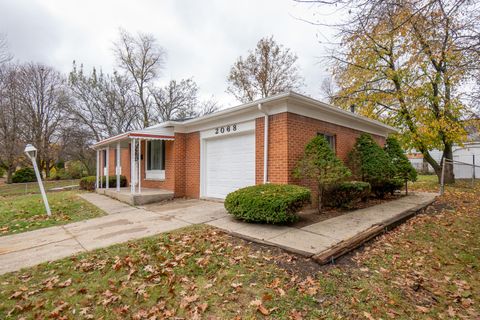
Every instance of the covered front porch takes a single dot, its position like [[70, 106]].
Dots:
[[139, 156]]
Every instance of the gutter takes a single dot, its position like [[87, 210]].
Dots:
[[265, 143]]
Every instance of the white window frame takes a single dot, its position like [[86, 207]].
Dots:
[[158, 175]]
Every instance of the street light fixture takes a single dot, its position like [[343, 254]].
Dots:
[[31, 152]]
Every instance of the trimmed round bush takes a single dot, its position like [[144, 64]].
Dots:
[[267, 203], [26, 174], [347, 193], [88, 183]]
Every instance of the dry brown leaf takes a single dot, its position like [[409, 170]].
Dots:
[[261, 308]]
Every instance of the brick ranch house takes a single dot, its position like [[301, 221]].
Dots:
[[210, 156]]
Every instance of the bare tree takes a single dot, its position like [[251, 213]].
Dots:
[[75, 144], [11, 143], [44, 99], [269, 69], [179, 100], [208, 106], [142, 59], [5, 55], [103, 103]]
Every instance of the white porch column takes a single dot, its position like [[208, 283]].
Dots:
[[101, 169], [139, 166], [97, 170], [107, 166], [119, 167], [132, 166]]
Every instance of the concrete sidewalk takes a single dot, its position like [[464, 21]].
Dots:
[[123, 223], [319, 237]]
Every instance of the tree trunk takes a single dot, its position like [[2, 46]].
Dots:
[[320, 194], [10, 172], [449, 176]]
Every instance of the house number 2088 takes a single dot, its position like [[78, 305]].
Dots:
[[225, 129]]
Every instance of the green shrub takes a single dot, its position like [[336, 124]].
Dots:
[[347, 193], [267, 203], [26, 174], [60, 174], [403, 169], [75, 169], [320, 164], [370, 163], [88, 183]]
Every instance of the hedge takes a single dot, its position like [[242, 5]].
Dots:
[[347, 193], [267, 203], [26, 174], [88, 183]]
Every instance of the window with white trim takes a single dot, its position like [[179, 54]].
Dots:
[[330, 139], [155, 157]]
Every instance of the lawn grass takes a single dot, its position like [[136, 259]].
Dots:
[[189, 273], [32, 187], [22, 213], [428, 268]]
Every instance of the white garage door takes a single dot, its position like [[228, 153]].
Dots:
[[230, 164]]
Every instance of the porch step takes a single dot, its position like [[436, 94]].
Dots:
[[148, 195]]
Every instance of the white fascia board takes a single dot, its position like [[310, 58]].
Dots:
[[286, 102], [340, 119]]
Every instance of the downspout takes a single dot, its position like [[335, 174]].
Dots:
[[265, 143]]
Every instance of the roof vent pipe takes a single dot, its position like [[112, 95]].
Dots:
[[265, 143]]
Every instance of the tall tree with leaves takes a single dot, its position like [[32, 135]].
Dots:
[[142, 59], [267, 70], [320, 164], [406, 63]]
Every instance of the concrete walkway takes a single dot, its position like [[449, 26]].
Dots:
[[319, 237], [124, 223]]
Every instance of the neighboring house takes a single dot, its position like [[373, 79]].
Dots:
[[465, 155], [213, 155]]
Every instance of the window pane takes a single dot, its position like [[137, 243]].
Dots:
[[155, 152]]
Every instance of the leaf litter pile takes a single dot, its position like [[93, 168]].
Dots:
[[428, 268]]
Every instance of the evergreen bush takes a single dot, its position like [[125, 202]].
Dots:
[[267, 203], [347, 193], [23, 175], [320, 164], [370, 163]]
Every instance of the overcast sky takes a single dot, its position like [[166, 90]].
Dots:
[[202, 38]]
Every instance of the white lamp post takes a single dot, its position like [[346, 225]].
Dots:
[[31, 152]]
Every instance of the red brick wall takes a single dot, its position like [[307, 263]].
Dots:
[[277, 148], [179, 152], [192, 165], [288, 135]]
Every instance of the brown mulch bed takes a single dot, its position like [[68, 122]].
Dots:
[[311, 216]]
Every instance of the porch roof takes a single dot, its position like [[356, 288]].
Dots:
[[150, 133]]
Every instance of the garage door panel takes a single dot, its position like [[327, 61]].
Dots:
[[230, 164]]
